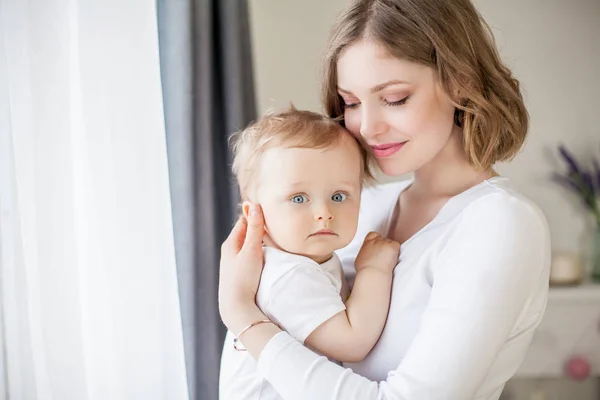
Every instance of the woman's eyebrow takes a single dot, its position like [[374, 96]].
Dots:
[[343, 90], [381, 86], [377, 88]]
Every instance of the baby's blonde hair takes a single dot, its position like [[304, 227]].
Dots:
[[289, 128]]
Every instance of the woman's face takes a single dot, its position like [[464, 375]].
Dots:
[[395, 107]]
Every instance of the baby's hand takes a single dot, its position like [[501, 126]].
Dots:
[[378, 252]]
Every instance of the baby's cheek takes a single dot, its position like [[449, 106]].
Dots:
[[352, 123], [273, 222], [349, 226]]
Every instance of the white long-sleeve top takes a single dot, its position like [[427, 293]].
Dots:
[[468, 292]]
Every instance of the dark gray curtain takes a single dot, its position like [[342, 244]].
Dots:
[[208, 93]]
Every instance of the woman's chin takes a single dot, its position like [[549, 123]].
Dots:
[[392, 168]]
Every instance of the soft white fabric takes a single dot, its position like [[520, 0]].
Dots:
[[299, 295], [88, 294], [468, 293]]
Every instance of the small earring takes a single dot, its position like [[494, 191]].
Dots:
[[458, 117]]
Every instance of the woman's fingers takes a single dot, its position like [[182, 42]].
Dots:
[[254, 231], [235, 240], [241, 264]]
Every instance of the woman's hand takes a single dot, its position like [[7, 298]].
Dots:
[[240, 269]]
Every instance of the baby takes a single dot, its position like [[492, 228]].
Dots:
[[306, 172]]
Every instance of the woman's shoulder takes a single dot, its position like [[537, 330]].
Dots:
[[496, 207], [497, 196], [497, 231]]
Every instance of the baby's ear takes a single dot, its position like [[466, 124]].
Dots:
[[246, 208]]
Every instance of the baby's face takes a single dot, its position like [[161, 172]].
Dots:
[[310, 197]]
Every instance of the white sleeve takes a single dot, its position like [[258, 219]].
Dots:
[[302, 299], [488, 269]]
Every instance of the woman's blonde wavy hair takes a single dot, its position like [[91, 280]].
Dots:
[[451, 37]]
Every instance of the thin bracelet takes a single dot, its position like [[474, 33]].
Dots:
[[236, 339]]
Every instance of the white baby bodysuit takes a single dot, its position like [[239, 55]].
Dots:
[[298, 294]]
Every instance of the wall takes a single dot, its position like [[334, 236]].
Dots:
[[552, 46]]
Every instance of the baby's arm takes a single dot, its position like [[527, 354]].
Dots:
[[351, 334]]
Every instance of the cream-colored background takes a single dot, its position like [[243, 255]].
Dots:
[[553, 47]]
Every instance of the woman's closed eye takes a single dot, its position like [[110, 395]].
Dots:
[[393, 101], [388, 102], [351, 105], [349, 101]]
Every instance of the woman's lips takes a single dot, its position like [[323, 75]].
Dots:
[[386, 150]]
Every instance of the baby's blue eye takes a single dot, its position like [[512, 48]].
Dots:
[[339, 197], [299, 199]]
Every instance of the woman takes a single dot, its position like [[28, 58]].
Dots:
[[420, 83]]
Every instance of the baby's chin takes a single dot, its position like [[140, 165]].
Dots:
[[319, 255], [317, 249]]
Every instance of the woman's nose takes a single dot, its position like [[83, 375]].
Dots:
[[371, 124]]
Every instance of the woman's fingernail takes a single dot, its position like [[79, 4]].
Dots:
[[254, 209]]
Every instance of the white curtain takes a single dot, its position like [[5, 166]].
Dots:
[[89, 304]]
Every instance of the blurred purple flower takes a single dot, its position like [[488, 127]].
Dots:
[[569, 159], [588, 184], [584, 183], [566, 182], [571, 184]]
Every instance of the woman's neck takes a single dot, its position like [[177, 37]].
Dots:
[[449, 173]]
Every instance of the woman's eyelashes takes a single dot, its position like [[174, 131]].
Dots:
[[395, 102], [350, 103], [386, 101]]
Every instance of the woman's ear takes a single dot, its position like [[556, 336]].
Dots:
[[458, 91], [457, 97]]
